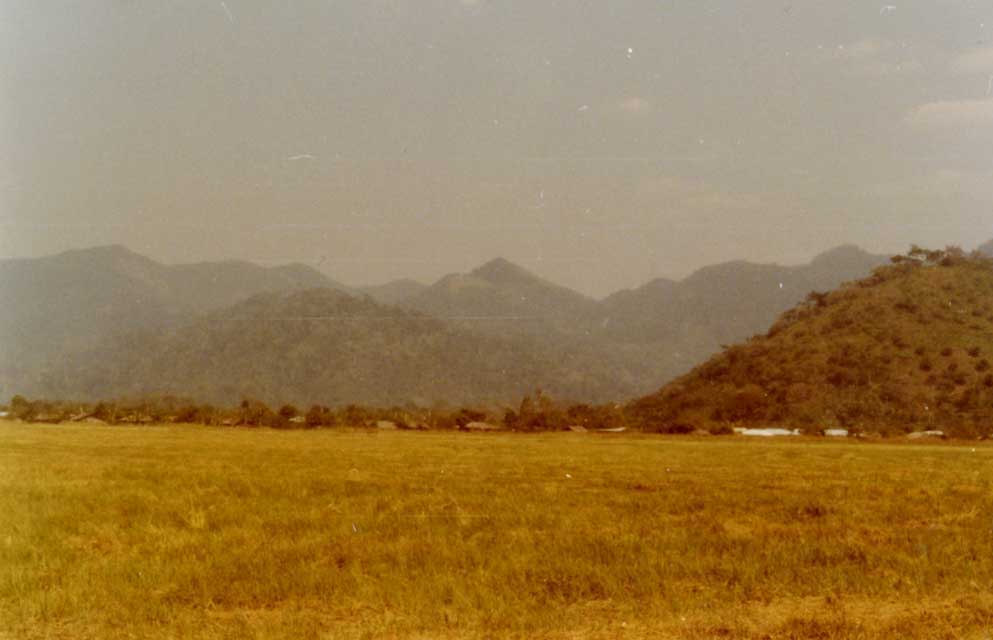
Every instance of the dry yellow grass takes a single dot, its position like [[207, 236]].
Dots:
[[193, 532]]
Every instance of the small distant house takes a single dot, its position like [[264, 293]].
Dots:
[[770, 433], [481, 426], [918, 435]]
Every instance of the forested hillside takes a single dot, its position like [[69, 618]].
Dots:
[[908, 347]]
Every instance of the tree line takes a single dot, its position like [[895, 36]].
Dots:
[[535, 412]]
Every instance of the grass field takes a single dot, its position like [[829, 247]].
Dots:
[[194, 532]]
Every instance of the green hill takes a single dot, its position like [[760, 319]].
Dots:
[[909, 347], [58, 305], [324, 346]]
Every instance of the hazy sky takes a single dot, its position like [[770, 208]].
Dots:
[[599, 143]]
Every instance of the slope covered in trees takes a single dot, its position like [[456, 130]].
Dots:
[[909, 347], [394, 291], [58, 305], [77, 297], [650, 334], [323, 346]]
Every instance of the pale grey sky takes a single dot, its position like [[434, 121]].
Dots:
[[599, 143]]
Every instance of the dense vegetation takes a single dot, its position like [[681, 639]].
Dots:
[[908, 348], [54, 305], [323, 346], [535, 412]]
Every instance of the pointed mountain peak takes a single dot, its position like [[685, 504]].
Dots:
[[503, 271], [112, 256]]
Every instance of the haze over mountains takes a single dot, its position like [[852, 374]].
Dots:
[[75, 299], [501, 297], [108, 322], [321, 344]]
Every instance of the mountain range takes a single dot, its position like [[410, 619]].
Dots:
[[74, 300], [323, 345], [110, 322]]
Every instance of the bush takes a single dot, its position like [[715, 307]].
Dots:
[[465, 416], [355, 416], [319, 416], [20, 407], [678, 428]]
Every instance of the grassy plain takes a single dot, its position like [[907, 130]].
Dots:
[[195, 532]]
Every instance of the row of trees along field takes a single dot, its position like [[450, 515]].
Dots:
[[537, 412]]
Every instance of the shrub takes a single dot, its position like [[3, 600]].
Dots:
[[465, 416], [355, 416], [678, 428], [319, 416], [20, 407]]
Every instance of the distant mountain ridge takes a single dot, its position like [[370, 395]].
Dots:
[[502, 297], [622, 346], [76, 299], [325, 346], [732, 300]]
